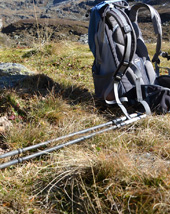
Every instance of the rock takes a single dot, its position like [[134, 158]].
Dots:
[[83, 39], [8, 69], [5, 124], [11, 73]]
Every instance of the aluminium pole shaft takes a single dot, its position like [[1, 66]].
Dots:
[[46, 151], [22, 150]]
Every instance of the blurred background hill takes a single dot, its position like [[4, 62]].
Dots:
[[14, 10], [24, 20]]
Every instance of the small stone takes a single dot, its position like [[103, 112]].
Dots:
[[11, 73], [5, 124]]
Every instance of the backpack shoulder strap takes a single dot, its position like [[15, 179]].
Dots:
[[130, 46], [156, 20], [129, 39]]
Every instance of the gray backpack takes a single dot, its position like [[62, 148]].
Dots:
[[122, 70]]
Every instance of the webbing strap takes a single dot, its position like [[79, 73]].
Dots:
[[114, 86], [139, 92], [118, 102], [156, 20], [157, 69], [122, 99]]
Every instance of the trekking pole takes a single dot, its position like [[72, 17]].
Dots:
[[46, 151], [22, 150]]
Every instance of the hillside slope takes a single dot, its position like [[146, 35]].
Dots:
[[52, 28], [12, 11], [27, 31], [122, 171]]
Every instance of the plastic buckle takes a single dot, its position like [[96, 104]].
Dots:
[[118, 78], [125, 63], [110, 6], [127, 28]]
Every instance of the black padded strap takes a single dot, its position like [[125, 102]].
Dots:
[[129, 38], [130, 46]]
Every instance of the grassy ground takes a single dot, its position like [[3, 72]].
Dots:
[[121, 171]]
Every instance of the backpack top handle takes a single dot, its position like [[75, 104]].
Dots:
[[116, 3]]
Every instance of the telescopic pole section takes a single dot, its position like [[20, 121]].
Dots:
[[46, 151], [22, 150]]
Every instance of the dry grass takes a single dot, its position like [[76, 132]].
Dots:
[[121, 171]]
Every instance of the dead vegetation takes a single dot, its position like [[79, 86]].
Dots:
[[121, 171]]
